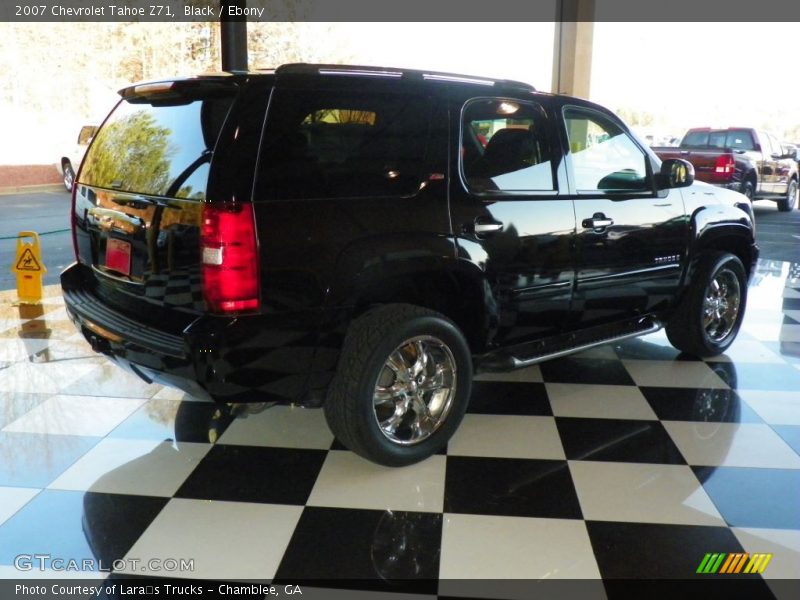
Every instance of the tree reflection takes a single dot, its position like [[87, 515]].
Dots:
[[132, 153]]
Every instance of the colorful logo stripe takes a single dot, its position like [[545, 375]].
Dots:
[[722, 562]]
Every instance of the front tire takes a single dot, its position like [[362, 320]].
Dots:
[[402, 385], [788, 203], [708, 317]]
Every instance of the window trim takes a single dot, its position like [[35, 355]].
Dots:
[[508, 194]]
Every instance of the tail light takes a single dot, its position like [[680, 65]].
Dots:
[[725, 166], [229, 256]]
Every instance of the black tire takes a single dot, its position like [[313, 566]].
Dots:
[[69, 176], [788, 203], [747, 189], [377, 350], [688, 329]]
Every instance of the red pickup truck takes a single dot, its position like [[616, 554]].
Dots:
[[742, 159]]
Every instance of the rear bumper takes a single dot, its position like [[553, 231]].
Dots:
[[258, 358]]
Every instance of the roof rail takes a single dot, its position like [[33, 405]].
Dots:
[[394, 73]]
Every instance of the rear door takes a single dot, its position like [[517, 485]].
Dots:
[[140, 193], [630, 240], [511, 215]]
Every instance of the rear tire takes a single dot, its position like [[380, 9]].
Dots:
[[69, 176], [710, 313], [402, 384], [747, 189], [788, 203]]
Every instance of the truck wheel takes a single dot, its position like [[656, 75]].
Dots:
[[69, 176], [747, 189], [402, 384], [708, 317], [788, 203]]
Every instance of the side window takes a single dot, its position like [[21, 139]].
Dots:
[[776, 145], [604, 157], [337, 145], [505, 147]]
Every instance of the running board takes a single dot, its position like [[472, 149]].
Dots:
[[510, 361]]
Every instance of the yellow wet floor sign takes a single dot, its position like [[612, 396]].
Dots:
[[29, 267]]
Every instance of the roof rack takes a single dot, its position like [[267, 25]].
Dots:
[[394, 73]]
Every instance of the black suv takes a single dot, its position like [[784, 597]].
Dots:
[[365, 239]]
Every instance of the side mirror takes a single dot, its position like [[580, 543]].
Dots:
[[675, 173]]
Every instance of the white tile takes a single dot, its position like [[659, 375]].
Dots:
[[12, 499], [731, 445], [598, 401], [138, 467], [673, 373], [528, 374], [776, 408], [348, 481], [281, 426], [492, 547], [748, 351], [76, 415], [507, 436], [109, 379], [783, 544], [170, 393], [606, 352], [639, 493], [226, 540], [46, 378]]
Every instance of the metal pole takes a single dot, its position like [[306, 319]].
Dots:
[[233, 35]]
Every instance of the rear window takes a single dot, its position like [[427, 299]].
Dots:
[[160, 148], [337, 144], [735, 139]]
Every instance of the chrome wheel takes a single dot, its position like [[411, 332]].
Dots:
[[721, 305], [415, 390]]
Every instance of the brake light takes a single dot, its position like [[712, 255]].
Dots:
[[725, 165], [229, 256]]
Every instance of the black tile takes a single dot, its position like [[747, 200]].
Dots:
[[585, 370], [702, 405], [747, 497], [618, 440], [368, 549], [509, 398], [251, 474], [790, 435], [186, 421], [78, 525], [655, 551], [759, 376], [640, 349], [510, 487], [654, 561], [36, 459]]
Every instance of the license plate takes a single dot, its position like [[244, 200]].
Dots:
[[118, 256]]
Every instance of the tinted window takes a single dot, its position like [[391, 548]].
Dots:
[[505, 147], [333, 145], [604, 157], [160, 149]]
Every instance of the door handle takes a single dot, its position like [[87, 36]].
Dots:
[[483, 226], [598, 221]]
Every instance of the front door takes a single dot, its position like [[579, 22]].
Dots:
[[630, 239]]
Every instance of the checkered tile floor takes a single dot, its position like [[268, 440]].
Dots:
[[624, 462]]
